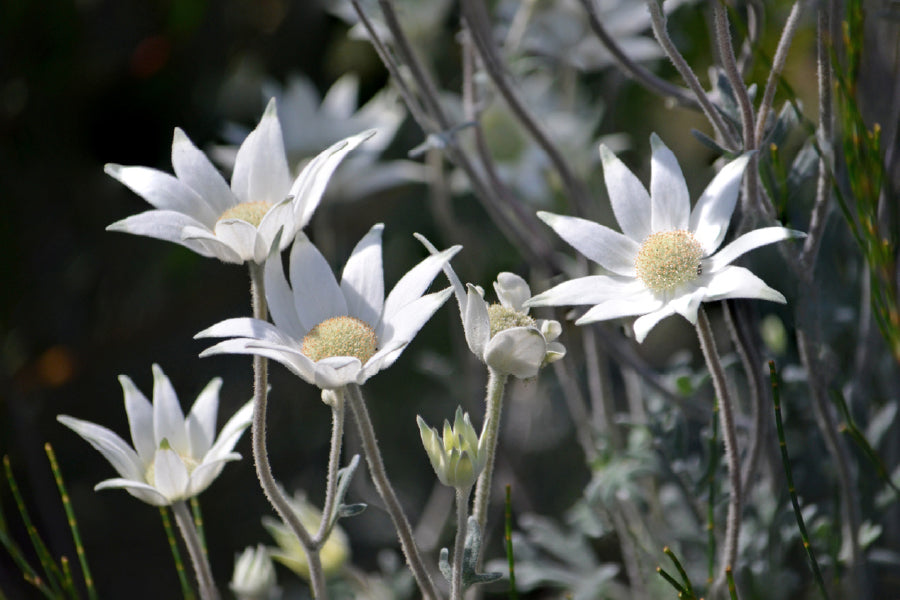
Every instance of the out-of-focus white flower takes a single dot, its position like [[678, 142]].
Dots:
[[458, 457], [334, 552], [504, 336], [197, 209], [174, 458], [254, 575], [332, 334], [665, 261]]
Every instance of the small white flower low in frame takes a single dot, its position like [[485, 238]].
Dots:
[[254, 575], [174, 458], [197, 209], [334, 334], [665, 261], [504, 336]]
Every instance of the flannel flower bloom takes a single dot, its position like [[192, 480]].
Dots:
[[504, 336], [665, 261], [174, 458], [197, 209], [333, 334]]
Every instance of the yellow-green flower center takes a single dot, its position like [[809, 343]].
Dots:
[[340, 336], [503, 317], [251, 212], [668, 259]]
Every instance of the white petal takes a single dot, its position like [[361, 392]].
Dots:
[[738, 282], [165, 225], [410, 320], [340, 100], [549, 328], [113, 448], [138, 489], [168, 420], [512, 290], [688, 303], [202, 476], [278, 218], [170, 475], [201, 420], [280, 299], [317, 295], [163, 191], [668, 190], [289, 357], [382, 359], [413, 284], [458, 289], [592, 289], [747, 242], [363, 281], [310, 184], [627, 306], [140, 420], [207, 240], [518, 351], [243, 238], [609, 249], [261, 171], [247, 327], [477, 323], [231, 432], [198, 173], [712, 213], [628, 196], [643, 325]]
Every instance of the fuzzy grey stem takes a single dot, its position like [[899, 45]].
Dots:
[[729, 63], [658, 23], [185, 522], [479, 25], [489, 437], [334, 460], [601, 399], [386, 491], [726, 416], [638, 72], [260, 453], [462, 513]]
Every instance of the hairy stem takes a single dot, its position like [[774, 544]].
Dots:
[[335, 398], [185, 522], [489, 437], [462, 513]]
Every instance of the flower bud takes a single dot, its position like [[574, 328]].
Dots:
[[254, 575], [457, 457]]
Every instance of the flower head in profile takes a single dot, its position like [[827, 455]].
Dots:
[[667, 259], [174, 458], [333, 334], [197, 209], [503, 335]]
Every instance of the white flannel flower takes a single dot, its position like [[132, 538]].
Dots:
[[197, 209], [174, 458], [332, 334], [254, 575], [665, 261], [504, 336]]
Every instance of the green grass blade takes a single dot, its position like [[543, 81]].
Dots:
[[674, 583], [710, 507], [73, 523], [198, 523], [732, 589], [507, 535], [186, 588], [684, 576]]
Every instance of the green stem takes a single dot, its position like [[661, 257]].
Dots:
[[489, 437], [462, 513], [386, 491], [260, 453], [202, 570]]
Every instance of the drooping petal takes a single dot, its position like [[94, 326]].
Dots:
[[738, 282], [289, 357], [592, 289], [712, 213], [640, 303], [310, 184], [211, 245], [477, 323], [168, 419], [413, 284], [609, 249], [249, 328], [363, 279], [167, 225], [113, 448], [198, 173], [628, 197], [201, 420], [163, 191], [643, 325], [337, 371], [138, 489], [668, 190], [261, 171], [317, 295], [140, 420], [512, 290], [170, 475], [747, 242], [243, 238], [518, 351]]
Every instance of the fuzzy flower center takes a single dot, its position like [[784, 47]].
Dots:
[[503, 317], [251, 212], [668, 259], [340, 336]]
